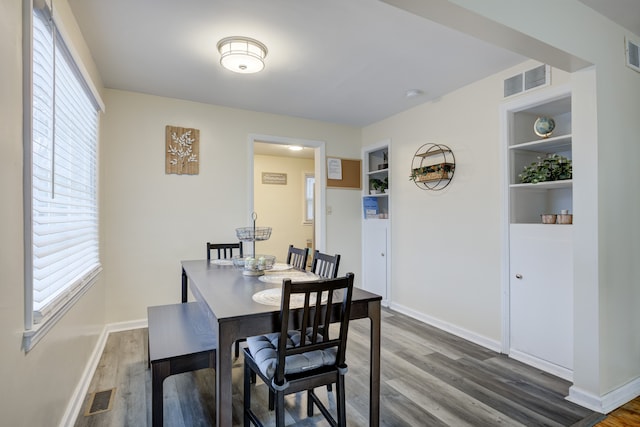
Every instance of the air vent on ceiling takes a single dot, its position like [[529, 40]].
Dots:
[[531, 79], [632, 53]]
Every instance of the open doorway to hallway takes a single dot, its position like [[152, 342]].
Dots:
[[287, 195]]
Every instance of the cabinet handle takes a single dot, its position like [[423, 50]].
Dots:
[[518, 276]]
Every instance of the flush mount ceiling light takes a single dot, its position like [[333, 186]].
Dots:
[[242, 54]]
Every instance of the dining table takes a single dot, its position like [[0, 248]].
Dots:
[[227, 297]]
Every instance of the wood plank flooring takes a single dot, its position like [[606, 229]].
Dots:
[[429, 378], [626, 415]]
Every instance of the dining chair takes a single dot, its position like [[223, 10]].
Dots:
[[225, 250], [300, 359], [325, 265], [297, 257]]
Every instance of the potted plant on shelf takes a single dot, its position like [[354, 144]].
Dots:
[[554, 167], [377, 185]]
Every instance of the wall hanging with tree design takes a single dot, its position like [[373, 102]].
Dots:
[[182, 155]]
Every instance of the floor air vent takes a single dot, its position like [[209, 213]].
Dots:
[[531, 79], [100, 401]]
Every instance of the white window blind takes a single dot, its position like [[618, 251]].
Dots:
[[309, 192], [63, 230]]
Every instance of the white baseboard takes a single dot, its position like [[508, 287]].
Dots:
[[448, 327], [77, 398], [552, 368], [607, 402]]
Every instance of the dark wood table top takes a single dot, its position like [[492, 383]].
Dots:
[[229, 293]]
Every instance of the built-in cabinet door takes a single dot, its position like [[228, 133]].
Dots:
[[541, 292], [374, 252]]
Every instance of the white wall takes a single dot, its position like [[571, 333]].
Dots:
[[36, 386], [281, 206], [607, 322], [581, 32], [153, 220], [446, 245]]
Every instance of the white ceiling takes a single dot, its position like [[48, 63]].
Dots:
[[340, 61], [624, 12]]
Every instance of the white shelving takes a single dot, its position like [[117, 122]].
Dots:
[[529, 201], [540, 285], [376, 227], [376, 167]]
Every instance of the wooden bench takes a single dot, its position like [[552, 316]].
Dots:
[[181, 339]]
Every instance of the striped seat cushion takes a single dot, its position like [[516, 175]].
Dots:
[[263, 348]]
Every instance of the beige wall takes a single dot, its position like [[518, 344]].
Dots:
[[281, 206], [37, 386], [151, 220]]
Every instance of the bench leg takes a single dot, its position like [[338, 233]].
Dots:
[[159, 371]]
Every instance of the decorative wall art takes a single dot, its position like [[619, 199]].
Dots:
[[274, 178], [182, 147]]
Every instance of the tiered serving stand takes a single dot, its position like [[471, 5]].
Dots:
[[254, 265]]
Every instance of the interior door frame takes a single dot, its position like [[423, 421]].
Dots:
[[320, 219]]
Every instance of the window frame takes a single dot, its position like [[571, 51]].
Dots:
[[306, 209], [37, 324]]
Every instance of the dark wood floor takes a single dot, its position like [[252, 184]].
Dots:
[[429, 378]]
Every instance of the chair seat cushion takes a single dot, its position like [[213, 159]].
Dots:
[[264, 348]]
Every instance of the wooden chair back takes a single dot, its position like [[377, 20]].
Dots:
[[314, 316], [225, 250], [297, 257], [325, 265]]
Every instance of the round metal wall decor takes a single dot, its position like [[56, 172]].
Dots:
[[433, 167]]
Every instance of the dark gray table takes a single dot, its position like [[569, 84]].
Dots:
[[226, 296]]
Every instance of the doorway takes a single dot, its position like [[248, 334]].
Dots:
[[288, 192]]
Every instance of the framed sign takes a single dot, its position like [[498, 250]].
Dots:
[[274, 178]]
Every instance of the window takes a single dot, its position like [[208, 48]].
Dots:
[[309, 191], [61, 206]]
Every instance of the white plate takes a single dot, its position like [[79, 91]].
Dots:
[[222, 261], [294, 275], [280, 266], [273, 297]]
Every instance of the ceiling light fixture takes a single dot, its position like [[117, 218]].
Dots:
[[295, 148], [412, 93], [242, 54]]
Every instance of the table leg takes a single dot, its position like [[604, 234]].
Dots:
[[184, 286], [374, 378], [224, 387]]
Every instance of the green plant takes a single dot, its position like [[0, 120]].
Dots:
[[554, 167], [423, 170], [377, 184]]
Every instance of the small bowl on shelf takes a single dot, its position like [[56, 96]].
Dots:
[[565, 219], [548, 218]]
